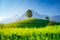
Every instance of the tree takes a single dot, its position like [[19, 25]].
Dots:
[[51, 23], [47, 18], [1, 25], [29, 13]]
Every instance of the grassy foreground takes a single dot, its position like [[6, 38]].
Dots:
[[47, 33]]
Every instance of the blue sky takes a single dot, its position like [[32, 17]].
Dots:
[[10, 8]]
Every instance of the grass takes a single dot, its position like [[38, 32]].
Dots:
[[29, 29], [46, 33], [52, 29]]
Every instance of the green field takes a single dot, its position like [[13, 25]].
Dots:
[[30, 29], [47, 33]]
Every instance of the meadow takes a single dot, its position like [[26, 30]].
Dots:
[[46, 33], [30, 29]]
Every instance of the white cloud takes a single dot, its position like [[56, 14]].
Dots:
[[2, 18]]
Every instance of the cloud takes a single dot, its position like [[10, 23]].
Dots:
[[2, 18], [5, 17]]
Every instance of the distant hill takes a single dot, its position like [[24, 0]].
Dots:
[[9, 20], [16, 17], [56, 18], [36, 15]]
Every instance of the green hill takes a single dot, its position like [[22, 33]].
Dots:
[[28, 23], [32, 22]]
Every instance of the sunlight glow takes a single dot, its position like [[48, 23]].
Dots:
[[2, 18]]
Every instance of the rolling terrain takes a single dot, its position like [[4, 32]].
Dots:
[[30, 29], [30, 23]]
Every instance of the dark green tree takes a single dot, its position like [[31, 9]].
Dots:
[[29, 13], [47, 18]]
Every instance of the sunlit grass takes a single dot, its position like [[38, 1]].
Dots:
[[51, 29], [30, 33]]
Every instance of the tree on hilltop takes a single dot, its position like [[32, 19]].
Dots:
[[29, 13]]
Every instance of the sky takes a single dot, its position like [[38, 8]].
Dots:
[[10, 8]]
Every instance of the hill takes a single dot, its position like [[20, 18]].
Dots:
[[30, 23]]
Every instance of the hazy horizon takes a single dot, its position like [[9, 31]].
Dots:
[[10, 8]]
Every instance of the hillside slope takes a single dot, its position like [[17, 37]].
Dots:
[[32, 22]]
